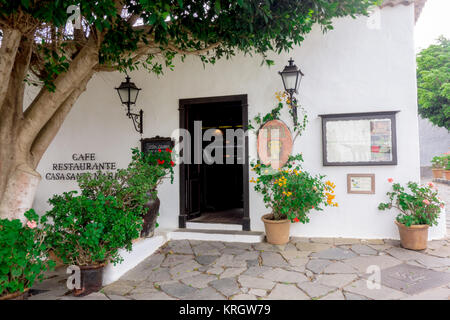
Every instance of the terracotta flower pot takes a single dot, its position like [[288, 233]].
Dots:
[[16, 295], [447, 174], [414, 237], [438, 173], [277, 231], [91, 280], [56, 259]]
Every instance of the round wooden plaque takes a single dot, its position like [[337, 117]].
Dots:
[[274, 143]]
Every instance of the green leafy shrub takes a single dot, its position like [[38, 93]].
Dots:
[[290, 192], [90, 231], [23, 254], [417, 204], [90, 228]]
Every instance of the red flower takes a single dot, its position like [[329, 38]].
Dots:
[[390, 180], [168, 150], [159, 150], [160, 161], [172, 163], [296, 219]]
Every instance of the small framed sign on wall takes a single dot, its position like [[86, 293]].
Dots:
[[361, 183], [359, 139], [156, 143]]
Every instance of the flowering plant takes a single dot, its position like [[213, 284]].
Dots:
[[418, 205], [438, 162], [23, 254], [290, 192], [161, 160]]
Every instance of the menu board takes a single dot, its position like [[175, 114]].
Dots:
[[359, 139]]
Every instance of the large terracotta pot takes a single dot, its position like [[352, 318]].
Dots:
[[277, 231], [414, 237], [150, 216], [438, 173], [16, 295], [447, 174], [91, 280], [56, 259]]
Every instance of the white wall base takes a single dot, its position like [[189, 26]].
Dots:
[[213, 226], [141, 250], [440, 231]]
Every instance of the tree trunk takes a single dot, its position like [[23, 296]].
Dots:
[[24, 136], [19, 193], [18, 181]]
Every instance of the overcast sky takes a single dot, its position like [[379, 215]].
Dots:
[[433, 22]]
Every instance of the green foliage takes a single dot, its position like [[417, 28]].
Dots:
[[433, 83], [214, 29], [23, 254], [290, 192], [438, 162], [90, 231], [275, 114], [418, 205], [90, 228]]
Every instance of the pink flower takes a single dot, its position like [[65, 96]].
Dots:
[[426, 202], [430, 184], [31, 224], [390, 180], [442, 205]]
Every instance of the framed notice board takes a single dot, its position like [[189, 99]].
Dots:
[[359, 139], [155, 143]]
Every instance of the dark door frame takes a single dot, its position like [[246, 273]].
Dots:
[[184, 105]]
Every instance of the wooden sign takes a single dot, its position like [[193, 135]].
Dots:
[[156, 143], [274, 143], [361, 183]]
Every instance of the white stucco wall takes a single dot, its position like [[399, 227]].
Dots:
[[350, 69]]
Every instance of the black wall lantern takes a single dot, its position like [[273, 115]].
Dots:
[[128, 93], [291, 76]]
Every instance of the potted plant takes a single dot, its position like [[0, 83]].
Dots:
[[437, 168], [23, 256], [156, 165], [447, 166], [419, 208], [87, 230], [290, 193]]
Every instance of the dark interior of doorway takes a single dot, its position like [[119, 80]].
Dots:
[[220, 188]]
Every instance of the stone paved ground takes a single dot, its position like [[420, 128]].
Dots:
[[305, 268]]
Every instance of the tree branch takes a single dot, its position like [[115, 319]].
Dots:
[[51, 128], [46, 103]]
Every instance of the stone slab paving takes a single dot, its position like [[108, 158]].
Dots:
[[305, 268]]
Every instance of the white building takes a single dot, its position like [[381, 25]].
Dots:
[[364, 65]]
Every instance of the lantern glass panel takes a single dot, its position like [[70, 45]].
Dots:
[[123, 94], [290, 81], [133, 95]]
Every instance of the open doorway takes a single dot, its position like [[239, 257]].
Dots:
[[215, 191]]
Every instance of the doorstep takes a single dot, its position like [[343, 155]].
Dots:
[[213, 226], [217, 235]]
